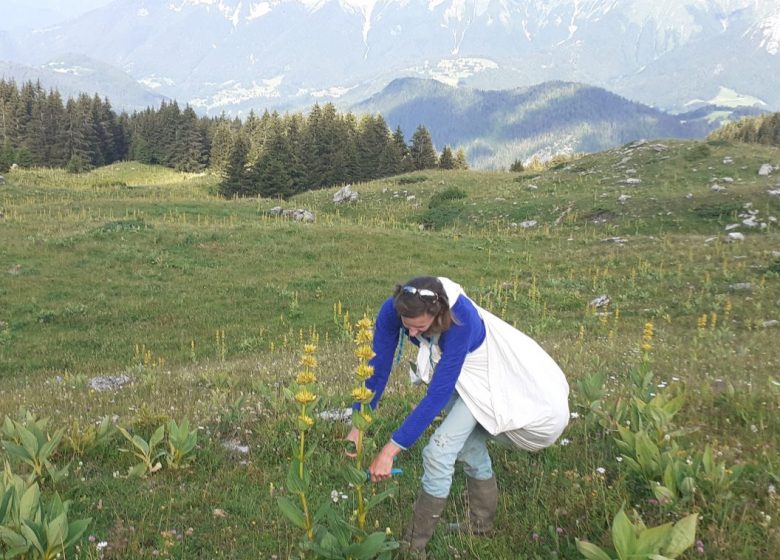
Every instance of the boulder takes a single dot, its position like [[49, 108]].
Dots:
[[300, 215], [345, 194], [734, 236], [2, 180], [528, 224], [765, 170]]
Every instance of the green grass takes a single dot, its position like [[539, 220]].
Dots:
[[135, 270]]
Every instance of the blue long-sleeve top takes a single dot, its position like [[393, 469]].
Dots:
[[465, 335]]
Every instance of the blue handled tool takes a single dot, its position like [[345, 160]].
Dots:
[[393, 472]]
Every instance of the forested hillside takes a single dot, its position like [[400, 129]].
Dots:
[[267, 155], [763, 129]]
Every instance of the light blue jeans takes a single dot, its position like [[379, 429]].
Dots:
[[458, 438]]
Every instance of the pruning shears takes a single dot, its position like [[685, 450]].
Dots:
[[393, 472]]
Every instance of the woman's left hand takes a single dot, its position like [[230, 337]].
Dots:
[[382, 465]]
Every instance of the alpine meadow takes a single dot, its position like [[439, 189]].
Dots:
[[176, 367]]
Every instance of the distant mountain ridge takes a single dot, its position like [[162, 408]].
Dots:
[[497, 127], [235, 55]]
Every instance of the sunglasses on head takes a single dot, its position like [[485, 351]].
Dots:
[[426, 295]]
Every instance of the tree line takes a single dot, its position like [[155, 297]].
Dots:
[[762, 129], [266, 155]]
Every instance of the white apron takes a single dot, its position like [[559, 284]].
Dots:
[[510, 384]]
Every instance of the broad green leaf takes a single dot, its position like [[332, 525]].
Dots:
[[13, 539], [291, 511], [682, 537], [75, 530], [56, 530], [367, 549], [663, 494], [28, 439], [591, 551], [34, 535], [140, 443], [16, 450], [353, 475], [296, 484], [30, 503], [380, 497], [138, 470], [652, 540], [623, 536], [706, 459], [157, 437]]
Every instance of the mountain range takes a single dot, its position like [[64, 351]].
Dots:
[[232, 55], [496, 127]]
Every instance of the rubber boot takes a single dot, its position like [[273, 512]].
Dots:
[[425, 515], [482, 504]]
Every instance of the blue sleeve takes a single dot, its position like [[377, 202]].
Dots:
[[386, 332], [461, 338]]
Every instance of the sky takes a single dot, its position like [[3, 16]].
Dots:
[[40, 13]]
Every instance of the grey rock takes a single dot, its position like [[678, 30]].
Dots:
[[336, 415], [235, 446], [528, 224], [717, 188], [729, 227], [276, 211], [301, 215], [632, 181], [770, 323], [2, 180], [734, 236], [618, 240], [623, 198], [765, 170], [727, 179], [601, 301], [774, 192], [345, 194], [108, 383], [741, 286]]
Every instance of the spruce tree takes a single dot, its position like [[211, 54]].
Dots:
[[460, 159], [422, 151], [446, 161]]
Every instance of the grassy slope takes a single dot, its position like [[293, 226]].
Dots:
[[97, 270]]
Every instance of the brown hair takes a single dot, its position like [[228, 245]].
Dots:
[[413, 305]]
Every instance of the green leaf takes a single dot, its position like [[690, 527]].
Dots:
[[16, 450], [157, 437], [359, 422], [30, 503], [706, 459], [138, 470], [623, 536], [682, 537], [652, 540], [353, 475], [296, 484], [33, 533], [591, 551], [75, 530], [56, 530], [368, 548], [13, 539], [291, 511], [664, 495], [375, 500]]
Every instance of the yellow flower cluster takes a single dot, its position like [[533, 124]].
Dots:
[[309, 361], [364, 371], [362, 394], [305, 378], [647, 337], [364, 352], [305, 397]]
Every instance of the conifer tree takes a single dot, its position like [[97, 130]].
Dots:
[[234, 172], [446, 161], [422, 151], [460, 159]]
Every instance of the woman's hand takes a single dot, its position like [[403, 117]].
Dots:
[[353, 437], [382, 465]]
